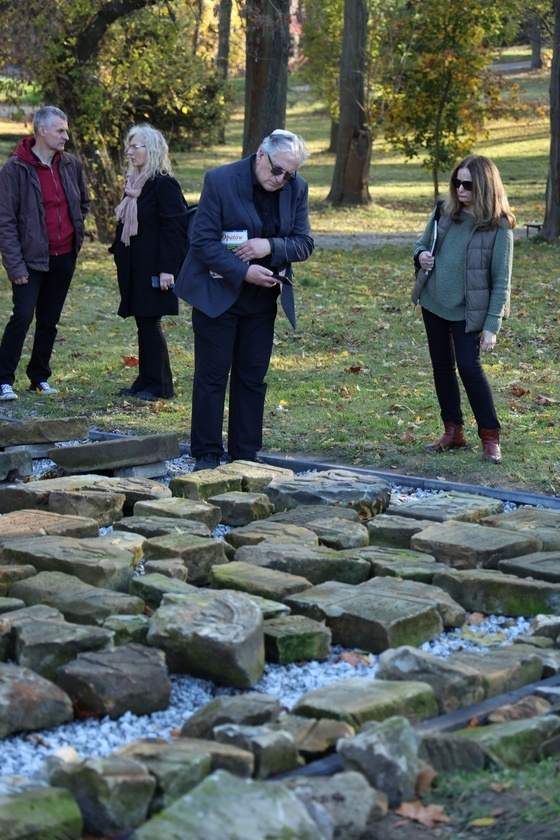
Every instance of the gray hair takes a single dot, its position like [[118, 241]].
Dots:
[[285, 141], [45, 116], [157, 150]]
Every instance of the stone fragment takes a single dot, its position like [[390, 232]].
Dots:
[[109, 454], [331, 487], [387, 755], [30, 702], [226, 807], [174, 765], [122, 540], [442, 507], [394, 531], [43, 430], [274, 750], [105, 508], [448, 752], [19, 464], [160, 526], [239, 508], [77, 601], [464, 545], [255, 477], [29, 808], [316, 564], [368, 619], [527, 707], [314, 738], [502, 669], [543, 523], [250, 709], [541, 565], [357, 700], [452, 613], [400, 562], [128, 629], [95, 562], [455, 684], [491, 592], [43, 646], [258, 532], [201, 485], [35, 494], [129, 678], [336, 527], [515, 743], [152, 587], [347, 798], [295, 638], [113, 793], [38, 523], [179, 508], [219, 638], [251, 579], [174, 568], [9, 574], [199, 554]]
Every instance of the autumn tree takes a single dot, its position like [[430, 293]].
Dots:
[[447, 90], [266, 73], [551, 226], [353, 149], [110, 64]]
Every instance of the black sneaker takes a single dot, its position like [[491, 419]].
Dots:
[[207, 462]]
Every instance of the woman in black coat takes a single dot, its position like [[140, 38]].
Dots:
[[148, 251]]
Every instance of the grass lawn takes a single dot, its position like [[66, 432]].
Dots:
[[353, 384]]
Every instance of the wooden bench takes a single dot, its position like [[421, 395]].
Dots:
[[536, 225]]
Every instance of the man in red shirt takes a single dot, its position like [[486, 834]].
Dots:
[[43, 204]]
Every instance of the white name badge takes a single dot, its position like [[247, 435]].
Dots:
[[232, 238]]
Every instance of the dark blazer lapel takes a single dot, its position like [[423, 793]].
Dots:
[[245, 192], [284, 208]]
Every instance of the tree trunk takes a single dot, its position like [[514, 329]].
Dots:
[[353, 151], [266, 77], [334, 136], [535, 36], [551, 226], [222, 59]]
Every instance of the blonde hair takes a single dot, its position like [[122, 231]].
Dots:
[[157, 150], [490, 203]]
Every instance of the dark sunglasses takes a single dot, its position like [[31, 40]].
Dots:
[[467, 185], [277, 170]]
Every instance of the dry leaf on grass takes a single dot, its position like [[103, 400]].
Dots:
[[429, 815], [424, 780], [353, 659], [131, 361]]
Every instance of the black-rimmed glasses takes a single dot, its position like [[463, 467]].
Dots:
[[467, 185], [277, 171]]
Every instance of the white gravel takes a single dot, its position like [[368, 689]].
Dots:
[[24, 755]]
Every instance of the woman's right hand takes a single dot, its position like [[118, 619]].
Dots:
[[426, 260]]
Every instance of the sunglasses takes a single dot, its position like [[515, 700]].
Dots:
[[277, 171], [467, 185]]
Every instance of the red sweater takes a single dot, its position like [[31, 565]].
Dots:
[[60, 229]]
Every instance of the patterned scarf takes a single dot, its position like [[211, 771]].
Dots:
[[127, 211]]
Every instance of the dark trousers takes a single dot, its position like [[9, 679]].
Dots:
[[154, 368], [237, 343], [42, 296], [452, 348]]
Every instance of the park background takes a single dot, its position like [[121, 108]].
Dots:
[[353, 383]]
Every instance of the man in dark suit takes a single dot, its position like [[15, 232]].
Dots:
[[251, 224]]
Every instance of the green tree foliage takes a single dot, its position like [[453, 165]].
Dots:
[[111, 64], [446, 89]]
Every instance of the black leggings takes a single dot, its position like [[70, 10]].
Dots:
[[452, 349]]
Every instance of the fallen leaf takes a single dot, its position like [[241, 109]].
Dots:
[[499, 788], [540, 400], [131, 361], [475, 618], [428, 815], [481, 822], [408, 438], [354, 369], [353, 659], [424, 780], [518, 391]]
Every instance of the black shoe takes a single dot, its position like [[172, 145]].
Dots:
[[146, 395], [127, 392], [207, 462], [253, 457]]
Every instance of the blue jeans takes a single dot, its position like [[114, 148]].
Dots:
[[452, 349], [41, 297]]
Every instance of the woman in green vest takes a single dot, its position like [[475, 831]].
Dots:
[[463, 260]]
